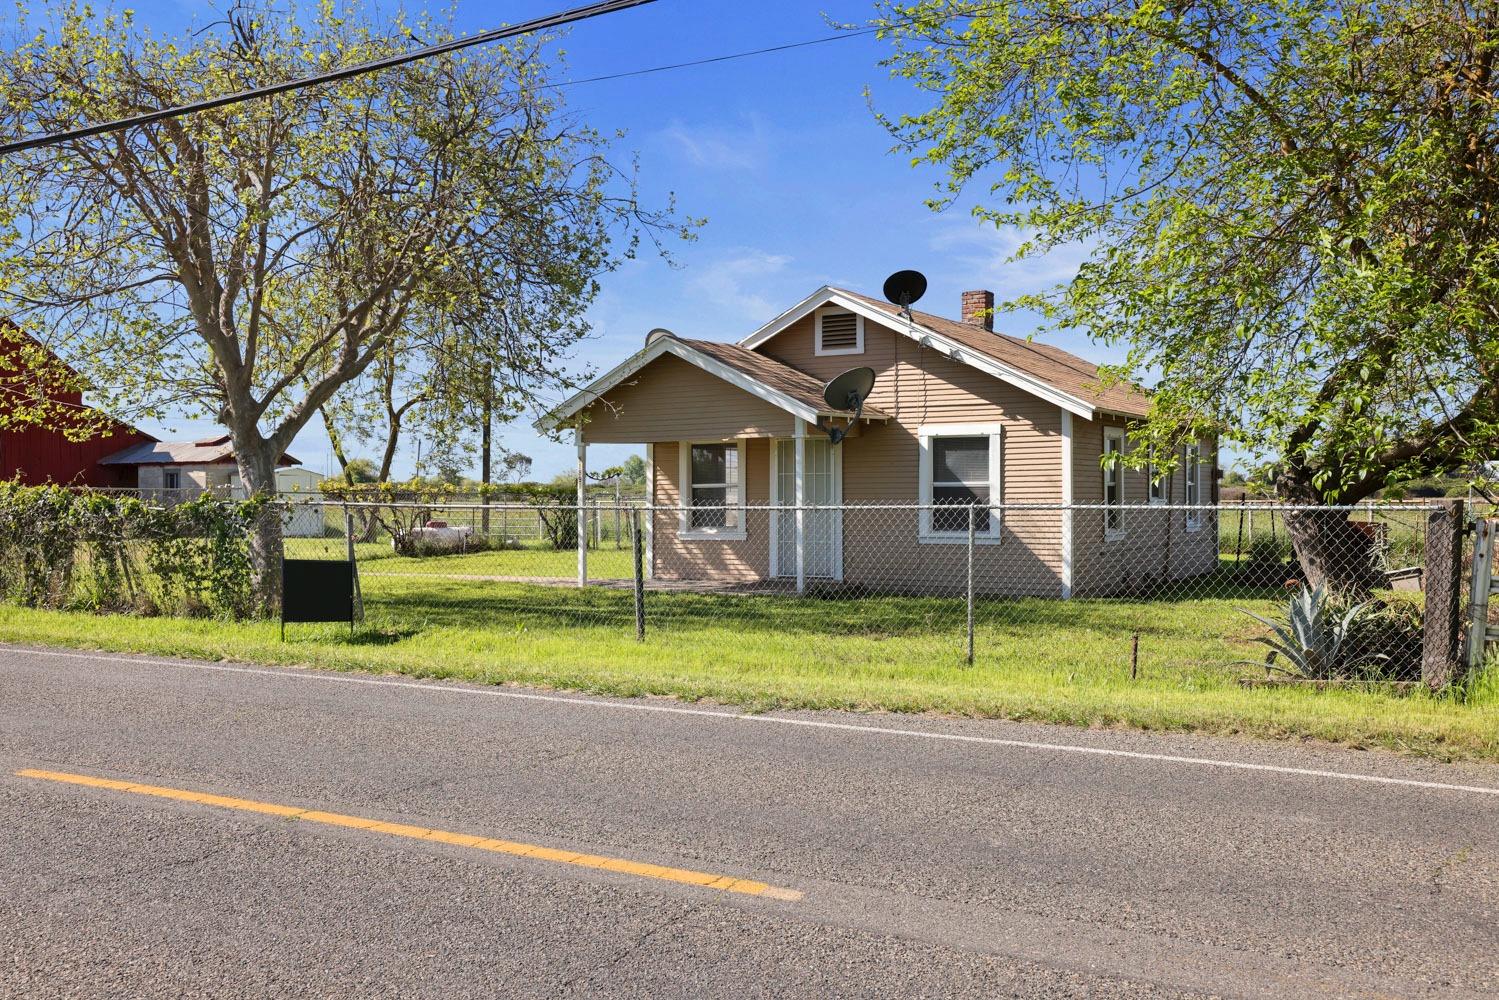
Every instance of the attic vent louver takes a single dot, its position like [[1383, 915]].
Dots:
[[838, 333]]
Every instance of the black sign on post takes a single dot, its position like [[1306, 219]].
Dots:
[[316, 590]]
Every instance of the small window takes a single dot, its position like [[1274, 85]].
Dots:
[[1158, 481], [960, 477], [171, 479], [1192, 464], [1113, 482], [839, 332], [714, 486]]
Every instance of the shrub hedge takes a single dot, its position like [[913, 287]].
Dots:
[[85, 550]]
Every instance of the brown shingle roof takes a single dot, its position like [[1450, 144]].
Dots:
[[1067, 372], [783, 378]]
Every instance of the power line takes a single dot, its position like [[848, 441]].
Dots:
[[709, 60], [566, 17]]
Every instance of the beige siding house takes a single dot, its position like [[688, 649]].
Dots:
[[959, 415]]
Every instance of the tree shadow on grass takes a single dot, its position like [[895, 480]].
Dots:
[[381, 636]]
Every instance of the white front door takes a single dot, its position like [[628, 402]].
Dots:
[[822, 529]]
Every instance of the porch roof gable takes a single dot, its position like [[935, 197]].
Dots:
[[779, 384]]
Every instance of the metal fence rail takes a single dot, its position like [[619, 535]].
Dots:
[[1147, 586]]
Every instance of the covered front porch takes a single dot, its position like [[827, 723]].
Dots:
[[743, 477]]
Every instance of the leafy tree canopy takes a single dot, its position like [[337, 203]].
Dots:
[[251, 261], [1289, 206]]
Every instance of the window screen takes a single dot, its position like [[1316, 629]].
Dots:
[[714, 472], [1191, 459], [1113, 482], [960, 476]]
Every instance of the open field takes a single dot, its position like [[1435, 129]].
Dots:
[[1036, 659]]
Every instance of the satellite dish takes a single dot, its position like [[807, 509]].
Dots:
[[657, 334], [904, 288], [848, 392]]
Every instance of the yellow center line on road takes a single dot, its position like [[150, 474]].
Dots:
[[725, 883]]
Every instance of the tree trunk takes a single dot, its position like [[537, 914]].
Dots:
[[1334, 552], [336, 440], [257, 470]]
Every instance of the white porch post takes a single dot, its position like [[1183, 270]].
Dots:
[[650, 511], [582, 513], [1066, 504], [801, 498]]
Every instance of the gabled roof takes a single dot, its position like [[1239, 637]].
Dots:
[[792, 390], [212, 451], [1050, 373]]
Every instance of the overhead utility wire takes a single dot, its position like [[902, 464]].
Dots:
[[709, 60], [526, 27]]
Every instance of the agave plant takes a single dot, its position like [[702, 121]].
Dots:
[[1312, 636]]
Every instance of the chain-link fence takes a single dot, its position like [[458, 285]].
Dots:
[[1271, 591]]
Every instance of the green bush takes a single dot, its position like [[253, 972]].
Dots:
[[1271, 550], [62, 548]]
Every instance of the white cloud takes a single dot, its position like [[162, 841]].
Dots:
[[732, 286], [746, 146], [981, 256]]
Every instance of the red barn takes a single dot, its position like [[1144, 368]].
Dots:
[[34, 378]]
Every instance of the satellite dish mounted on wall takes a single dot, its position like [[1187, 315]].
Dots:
[[848, 392], [657, 334], [905, 288]]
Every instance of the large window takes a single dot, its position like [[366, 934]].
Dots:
[[713, 488], [1192, 463], [960, 478], [959, 470], [1113, 482]]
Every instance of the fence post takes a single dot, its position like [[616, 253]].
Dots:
[[971, 520], [639, 561], [1481, 589], [353, 563], [1238, 545], [1440, 650]]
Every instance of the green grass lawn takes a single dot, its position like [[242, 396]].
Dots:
[[533, 559], [1036, 659]]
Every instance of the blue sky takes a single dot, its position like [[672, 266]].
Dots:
[[781, 154]]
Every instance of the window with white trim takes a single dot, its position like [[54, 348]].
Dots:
[[839, 332], [1192, 495], [1113, 482], [713, 488], [1158, 483], [960, 469]]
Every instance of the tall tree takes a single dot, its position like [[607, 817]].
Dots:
[[250, 262], [1289, 206]]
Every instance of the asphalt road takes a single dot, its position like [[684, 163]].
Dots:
[[932, 857]]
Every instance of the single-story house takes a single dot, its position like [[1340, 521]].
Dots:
[[182, 469], [958, 415]]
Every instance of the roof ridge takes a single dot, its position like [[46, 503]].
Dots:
[[1083, 364]]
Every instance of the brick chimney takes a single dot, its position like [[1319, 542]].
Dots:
[[978, 309]]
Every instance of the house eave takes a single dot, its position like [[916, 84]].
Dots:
[[559, 415], [927, 338]]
